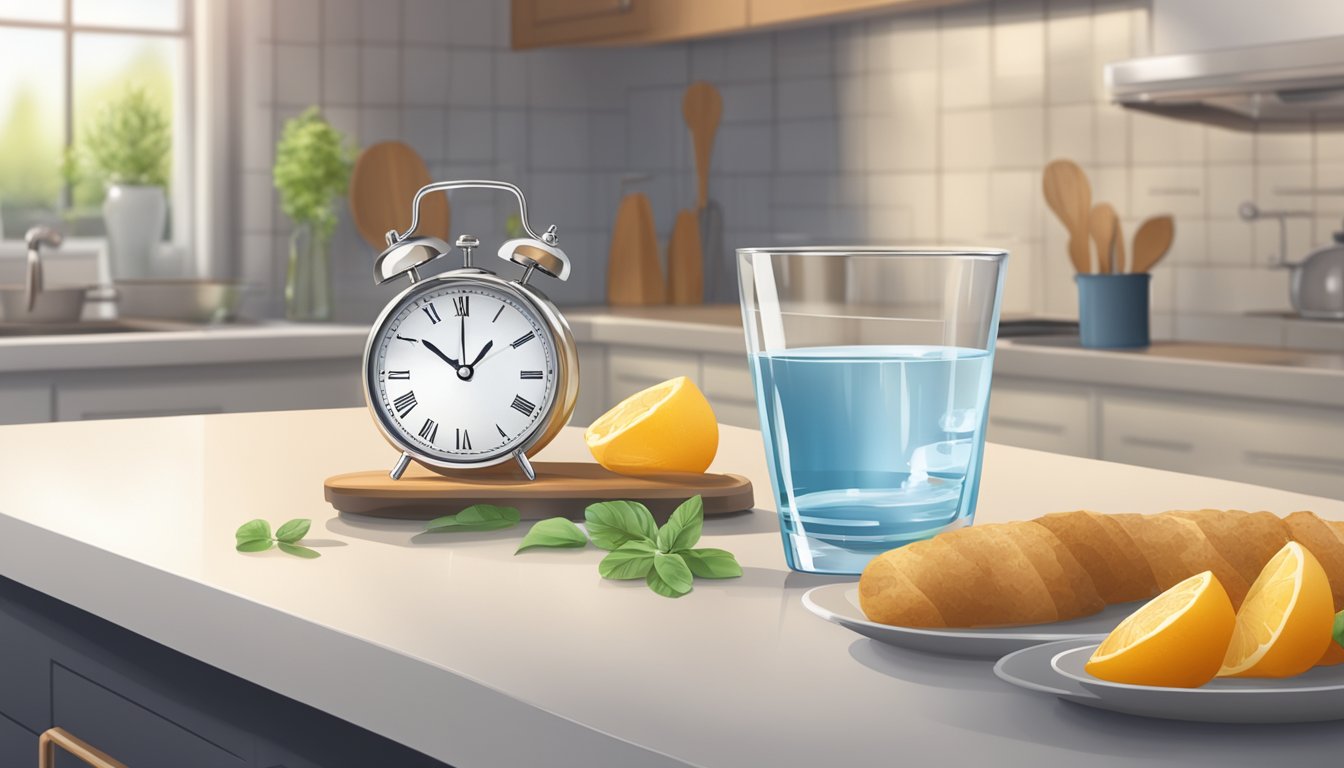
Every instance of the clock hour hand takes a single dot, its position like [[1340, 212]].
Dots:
[[484, 349], [430, 346]]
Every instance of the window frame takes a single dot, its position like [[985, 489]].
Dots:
[[184, 184]]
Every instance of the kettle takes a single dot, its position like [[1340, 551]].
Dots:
[[1316, 284]]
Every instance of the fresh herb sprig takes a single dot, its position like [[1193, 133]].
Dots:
[[255, 536], [1338, 631], [666, 558]]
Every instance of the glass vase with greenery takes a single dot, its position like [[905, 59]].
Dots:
[[312, 170], [125, 151]]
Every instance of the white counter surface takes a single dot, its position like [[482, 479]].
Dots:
[[203, 345], [454, 646]]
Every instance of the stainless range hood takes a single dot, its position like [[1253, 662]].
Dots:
[[1280, 86]]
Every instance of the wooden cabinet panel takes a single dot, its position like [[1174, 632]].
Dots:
[[771, 12], [537, 23], [1032, 414]]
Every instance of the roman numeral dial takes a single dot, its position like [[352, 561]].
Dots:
[[484, 368]]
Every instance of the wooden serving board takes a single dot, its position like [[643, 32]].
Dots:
[[561, 489]]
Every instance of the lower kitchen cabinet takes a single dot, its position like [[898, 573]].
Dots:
[[151, 707], [1042, 416], [1280, 445], [18, 745], [611, 373]]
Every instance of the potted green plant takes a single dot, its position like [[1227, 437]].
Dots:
[[125, 148], [312, 170]]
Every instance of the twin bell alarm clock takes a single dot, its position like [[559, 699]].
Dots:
[[469, 369]]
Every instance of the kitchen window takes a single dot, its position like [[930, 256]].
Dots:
[[66, 59]]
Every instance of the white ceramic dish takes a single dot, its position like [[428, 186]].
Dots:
[[839, 603], [1057, 669]]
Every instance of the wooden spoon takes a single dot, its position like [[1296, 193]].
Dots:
[[1152, 242], [1069, 195], [1104, 224], [702, 107]]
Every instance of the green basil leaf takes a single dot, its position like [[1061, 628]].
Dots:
[[298, 551], [613, 523], [710, 563], [253, 530], [673, 570], [669, 577], [632, 560], [1338, 632], [555, 532], [293, 530], [255, 545], [683, 528], [477, 517]]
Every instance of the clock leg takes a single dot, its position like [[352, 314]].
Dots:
[[525, 465], [400, 467]]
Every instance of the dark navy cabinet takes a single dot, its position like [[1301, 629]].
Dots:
[[151, 707]]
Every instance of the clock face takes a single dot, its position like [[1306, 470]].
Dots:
[[462, 372]]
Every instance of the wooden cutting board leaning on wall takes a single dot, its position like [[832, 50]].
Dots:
[[382, 190]]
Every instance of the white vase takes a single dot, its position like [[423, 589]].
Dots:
[[134, 216]]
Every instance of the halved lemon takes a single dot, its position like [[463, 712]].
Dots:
[[669, 427], [1283, 626], [1176, 640]]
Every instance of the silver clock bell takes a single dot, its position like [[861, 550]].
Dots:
[[467, 369]]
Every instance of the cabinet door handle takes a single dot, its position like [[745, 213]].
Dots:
[[59, 737]]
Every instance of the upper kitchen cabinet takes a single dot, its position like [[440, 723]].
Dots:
[[554, 23]]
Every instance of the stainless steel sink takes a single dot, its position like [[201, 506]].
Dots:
[[10, 330]]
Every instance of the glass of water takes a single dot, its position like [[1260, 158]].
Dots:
[[872, 370]]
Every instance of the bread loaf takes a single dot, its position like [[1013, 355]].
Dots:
[[1072, 564]]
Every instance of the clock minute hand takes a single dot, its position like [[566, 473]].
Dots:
[[430, 346]]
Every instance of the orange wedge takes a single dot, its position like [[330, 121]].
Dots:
[[1284, 625], [1176, 640], [669, 427]]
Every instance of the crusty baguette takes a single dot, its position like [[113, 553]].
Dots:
[[1071, 564]]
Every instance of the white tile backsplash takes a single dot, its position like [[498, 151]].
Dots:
[[379, 75], [425, 76], [906, 127], [297, 73]]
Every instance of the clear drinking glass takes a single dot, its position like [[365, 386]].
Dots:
[[872, 370]]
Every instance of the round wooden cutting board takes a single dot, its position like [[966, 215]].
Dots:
[[561, 489], [382, 190]]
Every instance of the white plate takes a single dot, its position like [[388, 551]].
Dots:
[[1057, 668], [839, 603]]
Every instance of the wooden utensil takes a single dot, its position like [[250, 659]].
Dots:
[[1069, 195], [1118, 242], [1103, 224], [685, 261], [1152, 242], [634, 276], [702, 107], [561, 488], [382, 189]]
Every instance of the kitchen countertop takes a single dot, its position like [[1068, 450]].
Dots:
[[453, 645], [1235, 370], [200, 345]]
